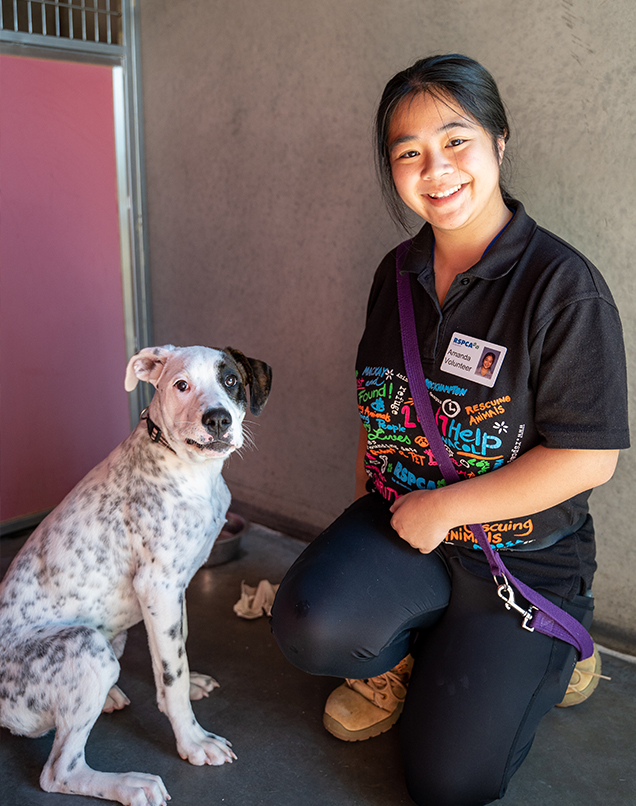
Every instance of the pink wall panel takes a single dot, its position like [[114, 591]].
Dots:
[[62, 360]]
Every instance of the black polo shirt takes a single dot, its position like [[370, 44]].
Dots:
[[526, 350]]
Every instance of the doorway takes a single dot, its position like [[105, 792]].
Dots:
[[74, 295]]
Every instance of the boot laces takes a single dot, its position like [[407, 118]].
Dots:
[[386, 690]]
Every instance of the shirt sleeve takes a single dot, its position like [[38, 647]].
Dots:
[[581, 384], [384, 273]]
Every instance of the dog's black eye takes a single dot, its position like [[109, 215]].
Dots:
[[231, 381], [181, 385]]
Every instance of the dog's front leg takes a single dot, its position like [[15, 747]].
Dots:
[[162, 607], [200, 684]]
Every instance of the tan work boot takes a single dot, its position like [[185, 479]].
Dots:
[[584, 680], [360, 709]]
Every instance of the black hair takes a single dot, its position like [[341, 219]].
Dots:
[[455, 76]]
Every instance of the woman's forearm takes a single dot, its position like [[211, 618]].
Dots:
[[537, 480]]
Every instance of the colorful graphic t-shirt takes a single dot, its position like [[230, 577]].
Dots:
[[526, 350]]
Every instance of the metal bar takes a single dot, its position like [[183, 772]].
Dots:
[[70, 22], [30, 16], [85, 50], [15, 15], [130, 38], [57, 19], [77, 6], [43, 10], [109, 33], [96, 21], [127, 234], [83, 16], [62, 48]]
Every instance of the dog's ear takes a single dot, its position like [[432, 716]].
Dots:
[[147, 365], [257, 375]]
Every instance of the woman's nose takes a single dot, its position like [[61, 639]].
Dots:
[[437, 164]]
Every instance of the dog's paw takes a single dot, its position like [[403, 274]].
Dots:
[[115, 700], [130, 788], [201, 685], [139, 789], [202, 747]]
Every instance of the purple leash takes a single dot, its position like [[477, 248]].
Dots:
[[542, 615]]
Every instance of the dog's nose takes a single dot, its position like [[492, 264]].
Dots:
[[217, 421]]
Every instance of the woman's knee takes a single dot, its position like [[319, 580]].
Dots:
[[347, 605], [311, 634]]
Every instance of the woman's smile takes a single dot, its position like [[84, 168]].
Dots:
[[441, 195]]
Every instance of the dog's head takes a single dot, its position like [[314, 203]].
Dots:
[[201, 396]]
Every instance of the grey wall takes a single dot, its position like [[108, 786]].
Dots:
[[266, 225]]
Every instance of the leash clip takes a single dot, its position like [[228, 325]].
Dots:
[[505, 592]]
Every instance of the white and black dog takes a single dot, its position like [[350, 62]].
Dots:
[[121, 547]]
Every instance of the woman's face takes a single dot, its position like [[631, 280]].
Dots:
[[444, 165], [487, 362]]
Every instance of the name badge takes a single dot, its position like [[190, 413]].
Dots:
[[473, 359]]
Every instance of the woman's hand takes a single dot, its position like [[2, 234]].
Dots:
[[416, 521]]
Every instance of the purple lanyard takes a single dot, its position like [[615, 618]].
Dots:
[[542, 615]]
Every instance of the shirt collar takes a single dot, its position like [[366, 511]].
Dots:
[[495, 263]]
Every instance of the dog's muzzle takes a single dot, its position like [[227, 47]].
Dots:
[[217, 422]]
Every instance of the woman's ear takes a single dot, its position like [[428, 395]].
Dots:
[[501, 148]]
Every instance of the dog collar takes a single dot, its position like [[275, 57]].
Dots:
[[154, 432]]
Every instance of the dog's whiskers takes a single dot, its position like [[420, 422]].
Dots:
[[248, 436]]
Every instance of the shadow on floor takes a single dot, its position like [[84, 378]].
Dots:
[[272, 713]]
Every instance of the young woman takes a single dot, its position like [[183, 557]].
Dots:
[[399, 572]]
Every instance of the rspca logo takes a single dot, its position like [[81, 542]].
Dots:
[[472, 345]]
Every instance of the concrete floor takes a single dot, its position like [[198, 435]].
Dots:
[[583, 756]]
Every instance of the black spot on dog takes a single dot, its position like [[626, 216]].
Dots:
[[168, 678], [73, 762]]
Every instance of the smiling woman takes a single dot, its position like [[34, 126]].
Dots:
[[394, 592]]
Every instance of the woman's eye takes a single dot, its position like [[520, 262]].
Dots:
[[182, 386], [408, 155], [456, 142], [231, 381]]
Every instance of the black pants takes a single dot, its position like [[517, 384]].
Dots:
[[359, 599]]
